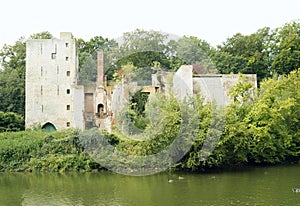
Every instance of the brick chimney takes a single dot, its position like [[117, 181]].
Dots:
[[100, 67]]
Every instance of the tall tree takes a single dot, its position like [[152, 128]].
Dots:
[[143, 48], [12, 77], [245, 54], [191, 50], [87, 51], [142, 41], [286, 48], [274, 120]]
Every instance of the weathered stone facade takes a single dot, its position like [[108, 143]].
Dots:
[[215, 87], [54, 100], [183, 82], [53, 97]]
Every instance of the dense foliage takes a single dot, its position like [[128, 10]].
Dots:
[[259, 127], [42, 151], [11, 122], [259, 130]]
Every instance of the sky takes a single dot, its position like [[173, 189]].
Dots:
[[210, 20]]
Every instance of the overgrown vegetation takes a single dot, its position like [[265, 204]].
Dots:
[[11, 122], [261, 127], [38, 150]]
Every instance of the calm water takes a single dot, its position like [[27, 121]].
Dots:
[[254, 186]]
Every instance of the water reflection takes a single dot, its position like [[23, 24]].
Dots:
[[255, 186]]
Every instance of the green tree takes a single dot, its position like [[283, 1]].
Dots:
[[87, 52], [41, 35], [11, 122], [143, 48], [140, 41], [274, 120], [191, 50], [245, 54], [12, 77], [88, 68], [234, 146], [12, 92], [286, 48]]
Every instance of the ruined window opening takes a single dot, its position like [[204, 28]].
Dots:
[[67, 45], [41, 90], [68, 107], [53, 56], [68, 124], [68, 91], [57, 90], [42, 108], [67, 58], [156, 89], [100, 110], [41, 49], [68, 73], [41, 71]]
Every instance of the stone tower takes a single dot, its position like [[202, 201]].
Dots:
[[53, 98]]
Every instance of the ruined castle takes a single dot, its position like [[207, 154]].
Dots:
[[55, 100]]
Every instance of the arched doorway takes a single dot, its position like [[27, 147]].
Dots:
[[100, 110], [49, 127]]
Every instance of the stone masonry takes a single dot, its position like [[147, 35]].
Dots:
[[55, 101]]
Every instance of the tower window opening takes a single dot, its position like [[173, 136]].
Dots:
[[100, 110]]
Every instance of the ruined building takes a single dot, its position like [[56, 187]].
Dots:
[[213, 87], [55, 100], [183, 83]]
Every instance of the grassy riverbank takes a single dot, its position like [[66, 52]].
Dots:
[[41, 151]]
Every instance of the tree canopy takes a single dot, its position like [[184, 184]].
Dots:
[[265, 52], [285, 50], [87, 52], [245, 54], [12, 77]]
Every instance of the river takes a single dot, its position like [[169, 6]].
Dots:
[[248, 186]]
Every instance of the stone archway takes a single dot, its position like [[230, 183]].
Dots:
[[49, 127]]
